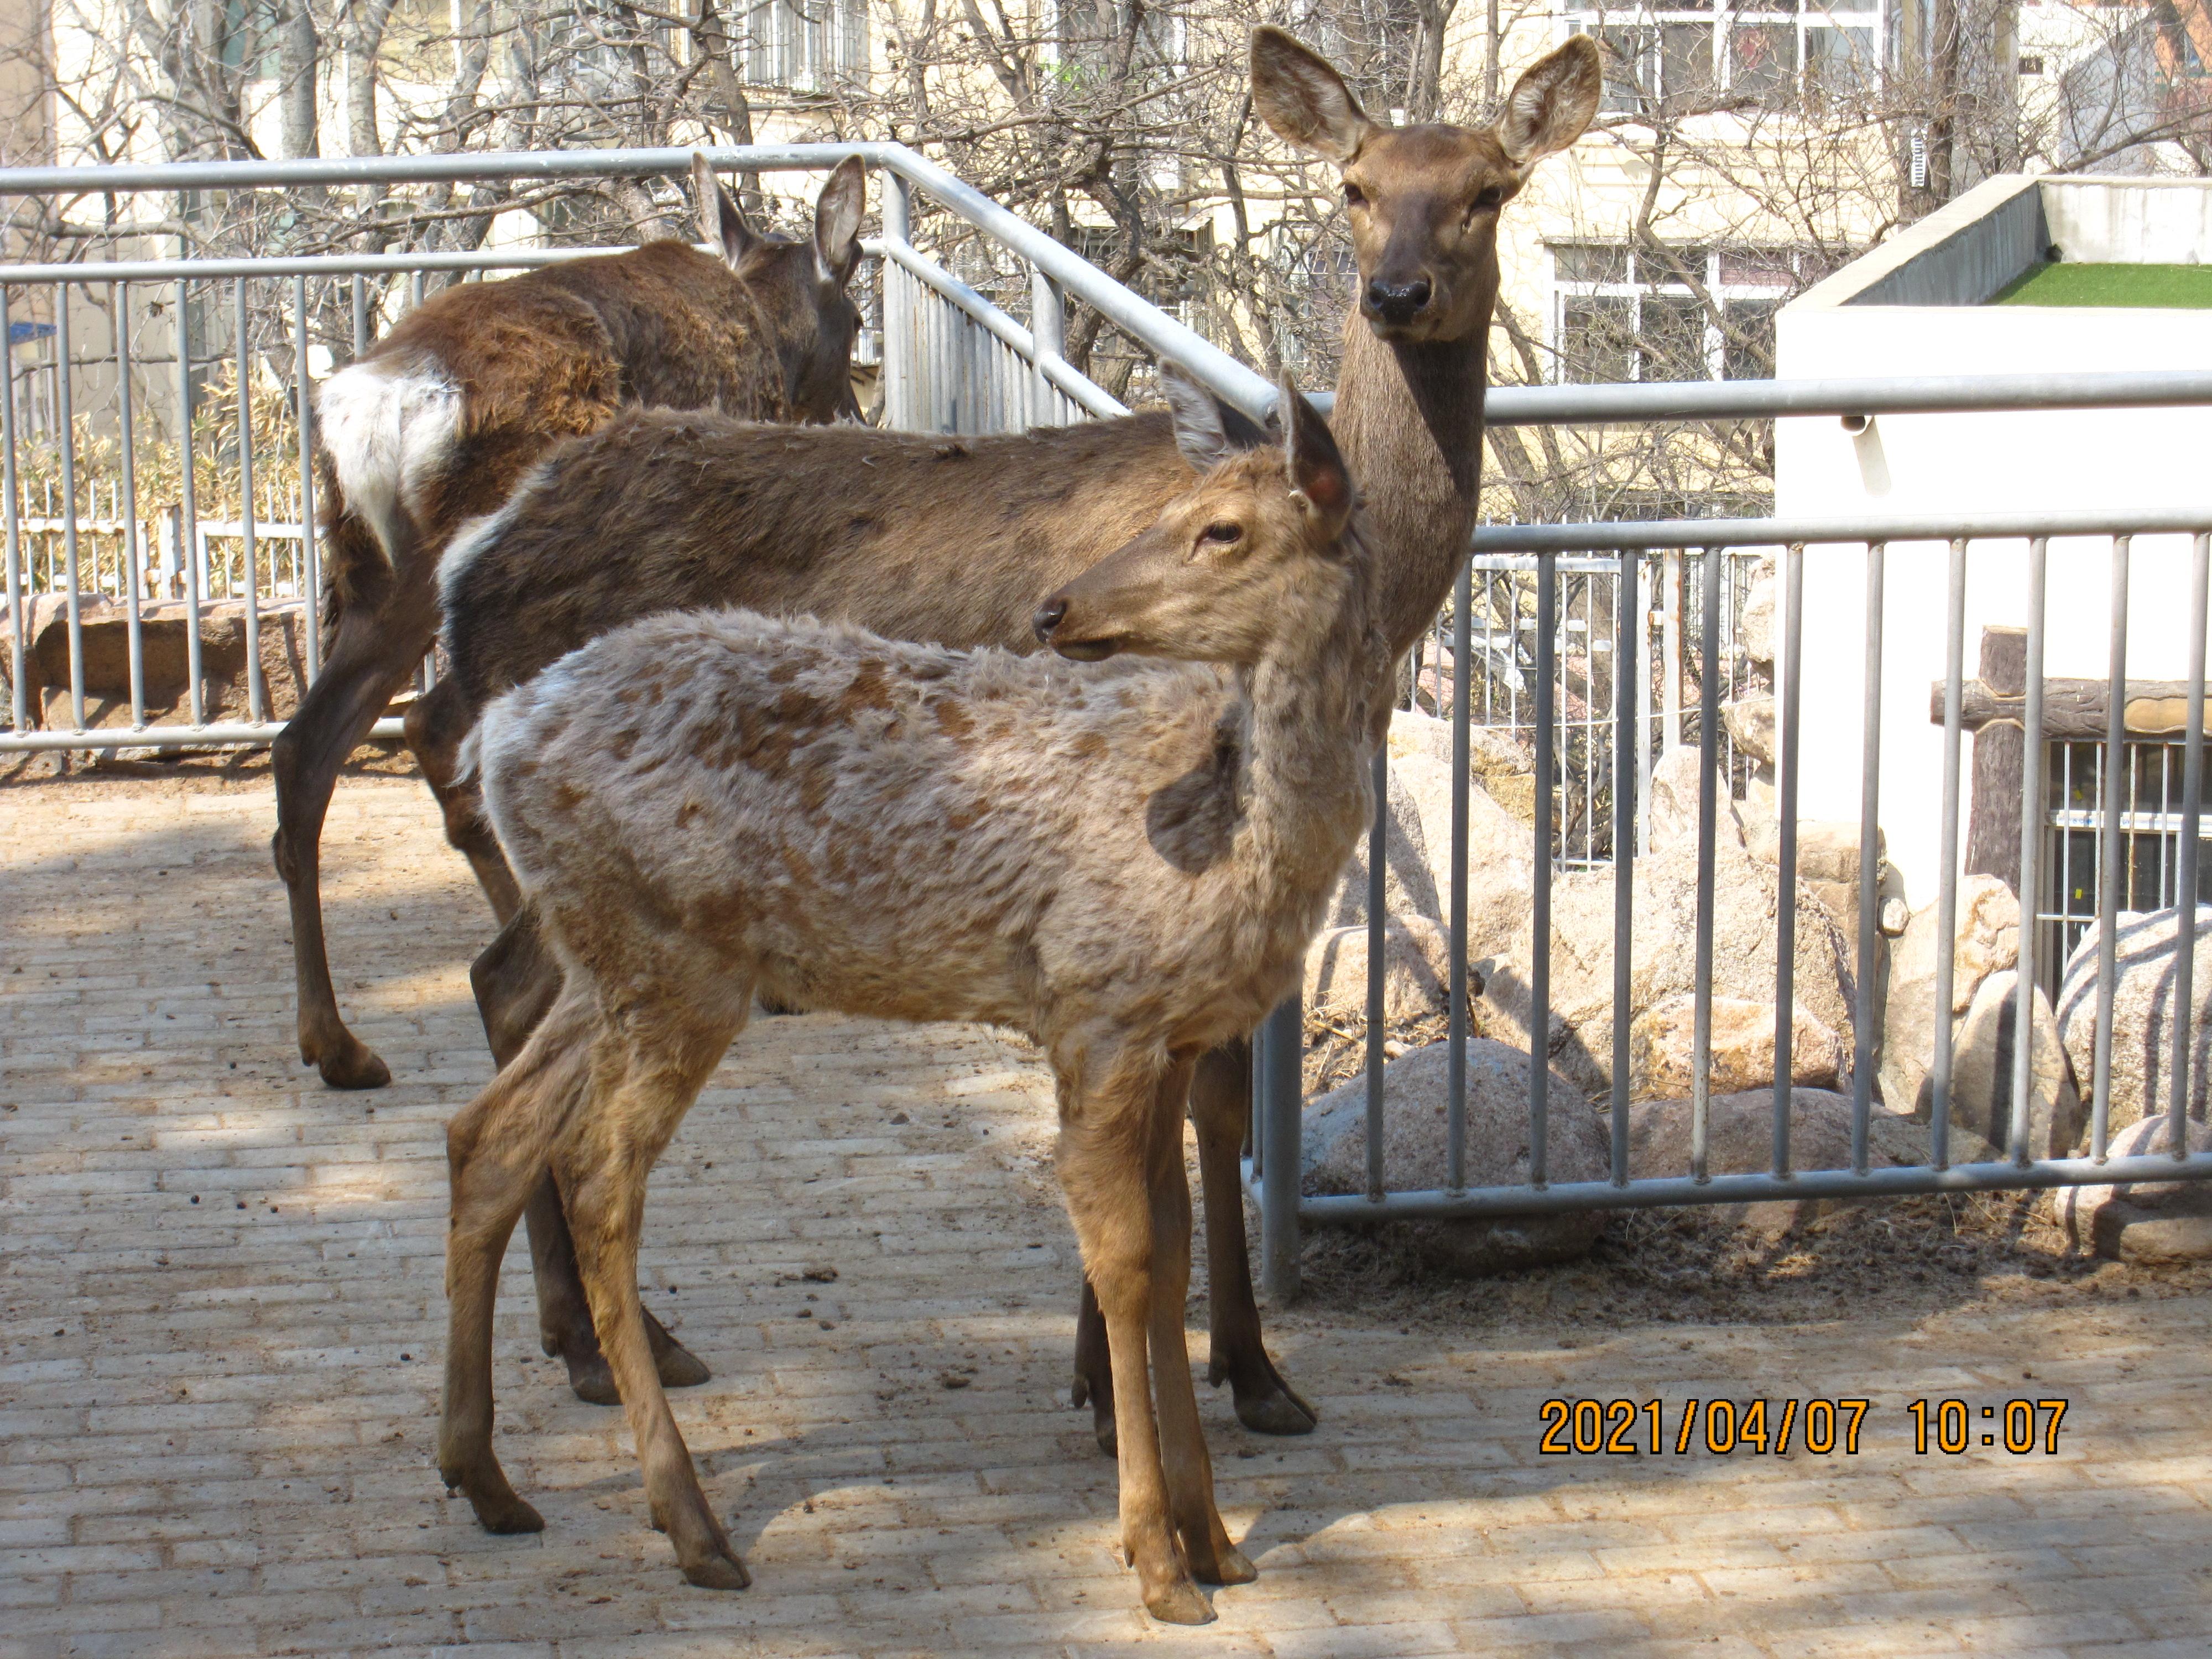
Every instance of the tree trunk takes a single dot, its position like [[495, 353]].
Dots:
[[298, 55]]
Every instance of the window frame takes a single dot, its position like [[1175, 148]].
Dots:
[[1665, 287], [1868, 19]]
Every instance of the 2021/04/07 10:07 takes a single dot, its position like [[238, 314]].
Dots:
[[1627, 1428]]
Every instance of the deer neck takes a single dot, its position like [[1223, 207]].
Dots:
[[1312, 702], [1409, 420]]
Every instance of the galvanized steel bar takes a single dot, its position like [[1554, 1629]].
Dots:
[[2030, 854], [1657, 534], [2110, 849], [1456, 1032], [188, 521], [305, 265], [19, 696], [1785, 810], [1864, 1012], [1708, 754], [253, 710], [311, 569], [1626, 746], [1890, 1182], [1283, 1034], [1378, 869], [360, 316], [899, 361], [65, 412], [1540, 970], [2184, 887], [119, 300], [1946, 890], [211, 734]]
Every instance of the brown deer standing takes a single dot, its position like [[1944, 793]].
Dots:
[[1127, 866], [437, 422], [952, 540]]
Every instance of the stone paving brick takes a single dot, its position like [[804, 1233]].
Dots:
[[211, 1445]]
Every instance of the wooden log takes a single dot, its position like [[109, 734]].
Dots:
[[2000, 749], [2074, 710]]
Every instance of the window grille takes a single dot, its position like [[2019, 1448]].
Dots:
[[1625, 314], [805, 45], [1758, 54], [2074, 851]]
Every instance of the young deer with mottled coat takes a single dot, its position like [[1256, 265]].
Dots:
[[952, 540], [1125, 863], [437, 422]]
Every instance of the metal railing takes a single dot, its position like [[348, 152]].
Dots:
[[1276, 1168], [115, 551]]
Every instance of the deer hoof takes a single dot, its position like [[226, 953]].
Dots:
[[591, 1380], [351, 1064], [505, 1513], [721, 1570], [1279, 1412], [679, 1368], [1178, 1601], [1229, 1566]]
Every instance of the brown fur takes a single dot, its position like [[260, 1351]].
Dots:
[[762, 333], [953, 540], [676, 870]]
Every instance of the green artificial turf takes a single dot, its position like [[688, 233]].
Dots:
[[2151, 287]]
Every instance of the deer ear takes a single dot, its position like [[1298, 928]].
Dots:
[[837, 213], [1552, 103], [1311, 459], [722, 223], [1199, 432], [1301, 97]]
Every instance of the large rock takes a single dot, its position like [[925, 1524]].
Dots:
[[1503, 766], [1982, 1059], [1750, 721], [1662, 1046], [1754, 624], [1986, 941], [1415, 1153], [1409, 881], [2148, 1221], [1579, 1038], [1416, 971], [1740, 1140], [165, 627], [2142, 1014]]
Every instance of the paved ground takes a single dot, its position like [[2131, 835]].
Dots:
[[222, 1319]]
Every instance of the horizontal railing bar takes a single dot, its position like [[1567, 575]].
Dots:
[[216, 734], [1137, 318], [1630, 535], [1651, 1193], [306, 264], [1928, 394]]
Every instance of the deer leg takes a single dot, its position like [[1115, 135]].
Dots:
[[1187, 1469], [374, 651], [1104, 1145], [516, 980], [494, 1151], [436, 724], [1220, 1107], [604, 1170], [1094, 1369]]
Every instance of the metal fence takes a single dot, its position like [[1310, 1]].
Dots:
[[159, 498], [1560, 556]]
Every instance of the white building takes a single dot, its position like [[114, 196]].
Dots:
[[1922, 305]]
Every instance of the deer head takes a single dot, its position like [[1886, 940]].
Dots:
[[1253, 552], [1423, 201], [799, 284]]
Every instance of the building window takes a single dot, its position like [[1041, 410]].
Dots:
[[1756, 54], [805, 46], [2151, 803], [1677, 313]]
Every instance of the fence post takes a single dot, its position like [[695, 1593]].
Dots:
[[1282, 1111], [898, 316], [1048, 325]]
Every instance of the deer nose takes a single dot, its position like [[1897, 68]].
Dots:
[[1397, 302], [1049, 616]]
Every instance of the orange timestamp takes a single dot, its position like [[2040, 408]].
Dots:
[[1650, 1428]]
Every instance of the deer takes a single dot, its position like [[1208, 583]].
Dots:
[[433, 425], [950, 540], [1126, 864]]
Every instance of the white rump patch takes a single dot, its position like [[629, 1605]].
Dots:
[[388, 427]]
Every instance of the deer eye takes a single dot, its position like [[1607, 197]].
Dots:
[[1222, 532], [1486, 201], [1353, 196]]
